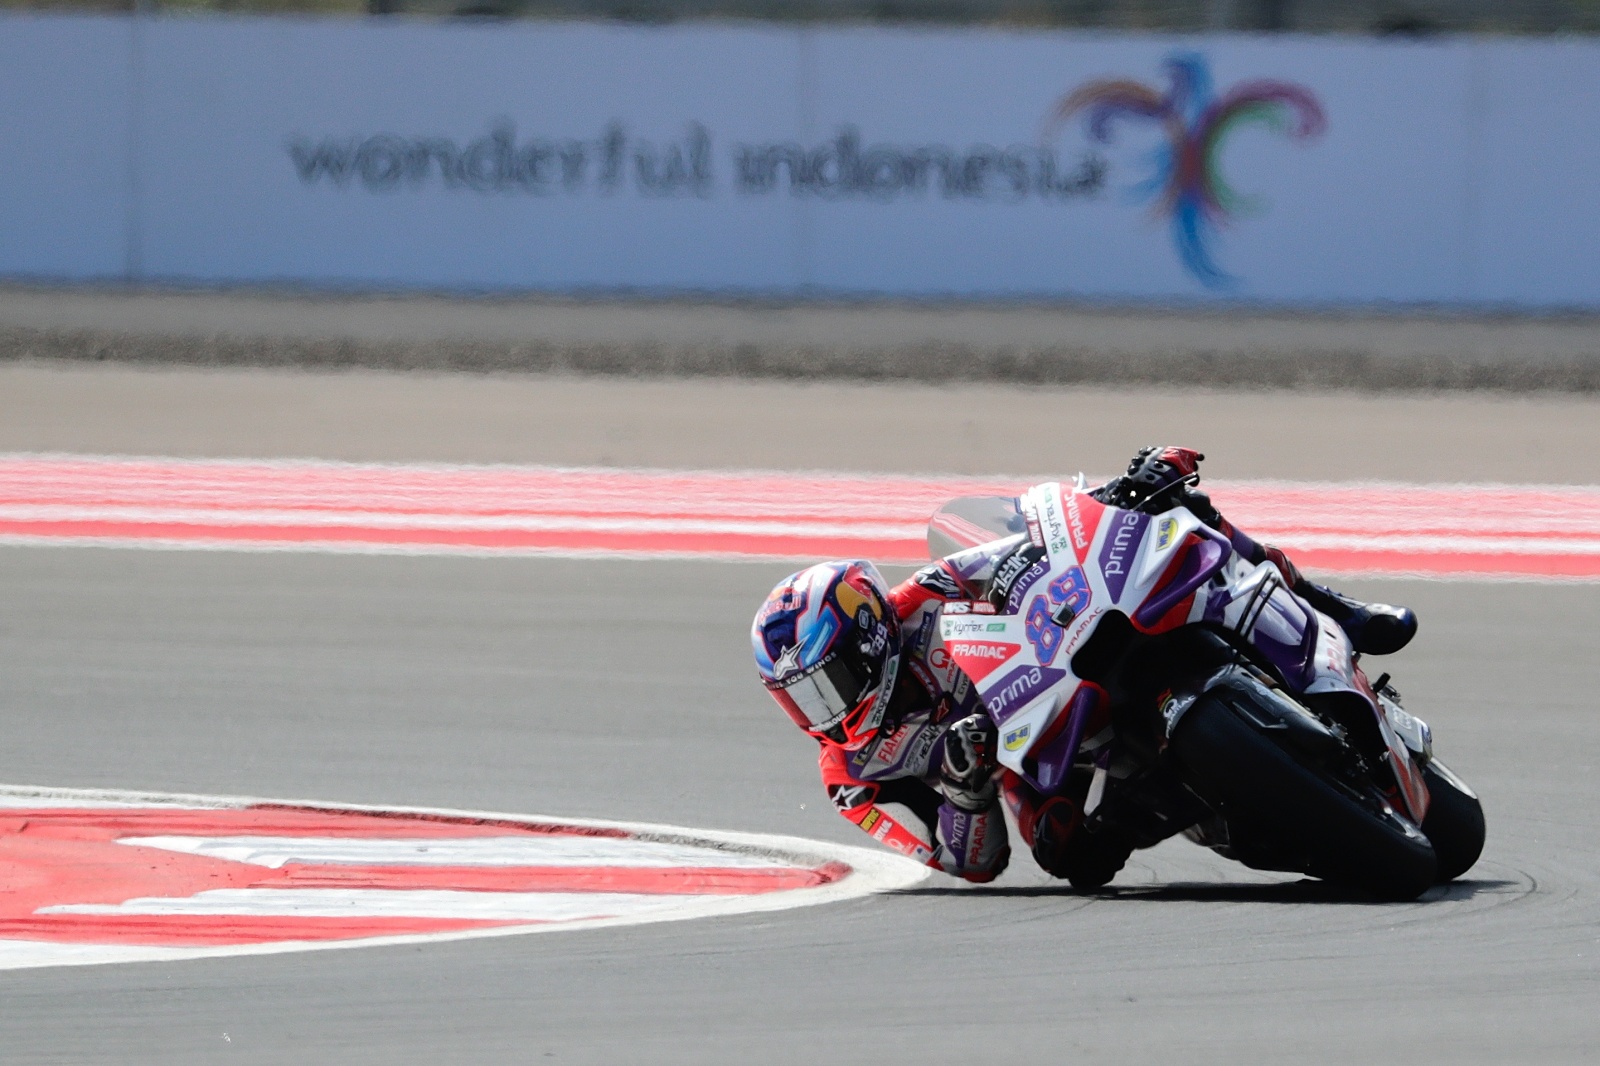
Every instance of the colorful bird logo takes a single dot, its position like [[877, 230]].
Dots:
[[1187, 183]]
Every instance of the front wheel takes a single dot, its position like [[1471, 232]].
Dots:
[[1275, 805], [1454, 823]]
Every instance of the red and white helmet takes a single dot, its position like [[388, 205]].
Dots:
[[827, 644]]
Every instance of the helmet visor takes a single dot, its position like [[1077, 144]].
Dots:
[[824, 696]]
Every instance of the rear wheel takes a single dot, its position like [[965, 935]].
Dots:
[[1307, 820], [1454, 823]]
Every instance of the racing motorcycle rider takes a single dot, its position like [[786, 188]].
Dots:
[[907, 752]]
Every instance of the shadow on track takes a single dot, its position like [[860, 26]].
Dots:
[[1306, 891]]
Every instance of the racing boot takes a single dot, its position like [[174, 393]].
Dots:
[[1165, 476], [1373, 628]]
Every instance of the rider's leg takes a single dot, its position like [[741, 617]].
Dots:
[[1373, 628], [1166, 475]]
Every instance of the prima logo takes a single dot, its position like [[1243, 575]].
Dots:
[[1018, 687], [1121, 544]]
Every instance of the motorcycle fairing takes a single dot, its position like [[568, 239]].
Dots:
[[1160, 571], [1100, 559], [1310, 651], [1336, 671], [1254, 603]]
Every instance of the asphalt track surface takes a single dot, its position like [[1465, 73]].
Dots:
[[624, 690]]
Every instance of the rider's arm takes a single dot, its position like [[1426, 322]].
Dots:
[[916, 819], [966, 575], [1164, 476]]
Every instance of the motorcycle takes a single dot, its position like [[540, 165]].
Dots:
[[1136, 664]]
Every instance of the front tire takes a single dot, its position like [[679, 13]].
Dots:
[[1454, 823], [1275, 805]]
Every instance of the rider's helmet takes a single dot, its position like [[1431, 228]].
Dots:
[[827, 644]]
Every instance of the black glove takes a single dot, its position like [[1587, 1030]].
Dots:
[[1158, 478], [967, 770]]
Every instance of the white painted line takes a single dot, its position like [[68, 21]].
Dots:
[[471, 851], [370, 903]]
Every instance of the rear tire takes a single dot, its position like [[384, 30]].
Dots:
[[1275, 805], [1454, 823]]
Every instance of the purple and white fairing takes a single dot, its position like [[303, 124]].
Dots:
[[1102, 559]]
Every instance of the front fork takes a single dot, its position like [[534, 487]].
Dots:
[[1409, 744]]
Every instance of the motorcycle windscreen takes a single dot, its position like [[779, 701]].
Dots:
[[968, 521]]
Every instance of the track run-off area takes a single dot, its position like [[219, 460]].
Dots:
[[1549, 532]]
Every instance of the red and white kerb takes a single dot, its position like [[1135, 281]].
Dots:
[[93, 880]]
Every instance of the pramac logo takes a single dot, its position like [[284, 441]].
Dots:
[[1186, 185]]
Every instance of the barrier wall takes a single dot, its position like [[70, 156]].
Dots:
[[772, 159]]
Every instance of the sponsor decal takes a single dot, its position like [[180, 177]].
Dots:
[[1020, 588], [980, 833], [1185, 181], [883, 829], [849, 797], [1084, 625], [1171, 708], [1042, 632], [949, 674], [1164, 531], [1080, 534], [871, 819], [1016, 738], [787, 663], [995, 627], [916, 760], [1018, 580], [1012, 568], [962, 627], [938, 580], [980, 658], [1121, 545], [1030, 516], [890, 744], [1055, 529], [1018, 687], [969, 607], [785, 600]]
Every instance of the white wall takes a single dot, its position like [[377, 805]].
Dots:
[[570, 156]]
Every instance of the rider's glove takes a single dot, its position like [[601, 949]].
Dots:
[[1158, 478], [967, 769]]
